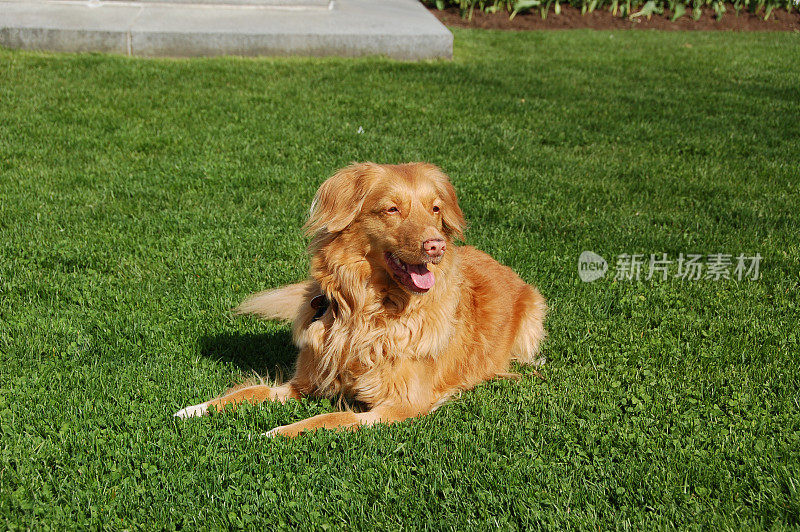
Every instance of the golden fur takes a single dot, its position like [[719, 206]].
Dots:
[[389, 340]]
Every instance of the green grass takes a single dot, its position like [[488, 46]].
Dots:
[[141, 199]]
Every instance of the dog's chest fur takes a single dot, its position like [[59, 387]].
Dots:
[[376, 343], [372, 354]]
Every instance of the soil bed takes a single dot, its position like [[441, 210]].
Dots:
[[571, 18]]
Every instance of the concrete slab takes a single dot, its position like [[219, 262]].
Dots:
[[401, 29], [276, 3], [65, 28]]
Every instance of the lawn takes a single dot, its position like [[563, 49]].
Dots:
[[141, 199]]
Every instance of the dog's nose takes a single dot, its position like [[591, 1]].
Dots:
[[434, 247]]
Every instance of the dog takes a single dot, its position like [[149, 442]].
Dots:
[[394, 317]]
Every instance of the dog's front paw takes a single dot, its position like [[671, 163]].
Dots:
[[283, 430], [272, 433], [193, 411]]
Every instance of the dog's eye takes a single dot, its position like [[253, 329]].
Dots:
[[435, 208], [392, 210]]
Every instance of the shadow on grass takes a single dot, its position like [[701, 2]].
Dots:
[[266, 354], [270, 355]]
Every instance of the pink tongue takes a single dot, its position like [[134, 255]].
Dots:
[[421, 276]]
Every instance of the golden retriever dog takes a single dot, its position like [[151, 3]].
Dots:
[[394, 317]]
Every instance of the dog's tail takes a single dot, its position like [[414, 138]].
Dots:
[[531, 309], [282, 303]]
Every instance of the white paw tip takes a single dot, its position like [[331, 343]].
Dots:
[[192, 411]]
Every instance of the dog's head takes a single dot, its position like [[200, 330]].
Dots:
[[402, 217]]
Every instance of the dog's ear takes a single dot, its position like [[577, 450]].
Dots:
[[452, 217], [339, 200]]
